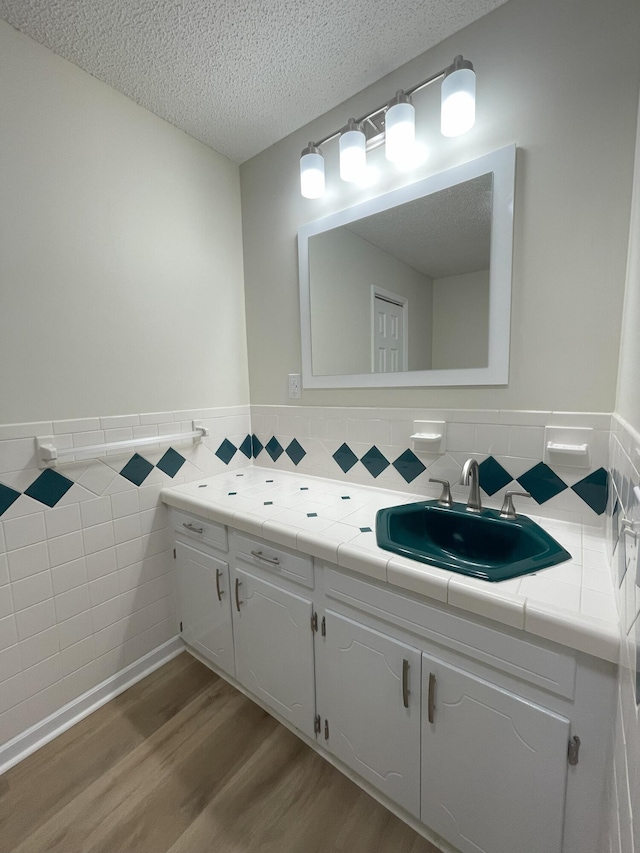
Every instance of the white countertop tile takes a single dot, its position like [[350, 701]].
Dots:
[[572, 603]]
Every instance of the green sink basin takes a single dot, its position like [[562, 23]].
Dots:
[[482, 545]]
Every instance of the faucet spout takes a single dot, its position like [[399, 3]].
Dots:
[[471, 476]]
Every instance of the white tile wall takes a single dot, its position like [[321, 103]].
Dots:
[[86, 587], [514, 438], [624, 790]]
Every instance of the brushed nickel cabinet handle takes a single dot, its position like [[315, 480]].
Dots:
[[218, 590], [405, 683], [273, 561], [431, 702], [190, 526], [238, 602]]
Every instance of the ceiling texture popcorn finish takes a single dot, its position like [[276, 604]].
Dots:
[[239, 75]]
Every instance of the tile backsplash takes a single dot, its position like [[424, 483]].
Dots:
[[374, 445]]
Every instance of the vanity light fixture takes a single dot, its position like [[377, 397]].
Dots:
[[394, 124]]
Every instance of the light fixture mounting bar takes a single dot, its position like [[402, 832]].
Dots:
[[383, 107]]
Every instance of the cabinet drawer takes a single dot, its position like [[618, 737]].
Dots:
[[276, 559], [199, 530]]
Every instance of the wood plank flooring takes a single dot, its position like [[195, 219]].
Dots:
[[183, 763]]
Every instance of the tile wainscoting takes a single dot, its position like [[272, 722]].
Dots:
[[86, 570], [624, 502]]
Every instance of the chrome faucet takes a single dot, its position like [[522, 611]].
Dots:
[[471, 475]]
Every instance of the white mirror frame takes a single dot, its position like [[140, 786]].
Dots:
[[502, 163]]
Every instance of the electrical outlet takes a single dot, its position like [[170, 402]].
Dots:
[[294, 386]]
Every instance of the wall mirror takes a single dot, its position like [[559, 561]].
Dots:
[[412, 287]]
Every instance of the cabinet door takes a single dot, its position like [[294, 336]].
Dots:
[[204, 605], [274, 648], [494, 765], [371, 700]]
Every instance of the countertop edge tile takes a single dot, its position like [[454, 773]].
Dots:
[[280, 533], [363, 561], [419, 578], [314, 545], [472, 595], [591, 636]]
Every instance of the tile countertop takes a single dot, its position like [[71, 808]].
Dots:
[[572, 604]]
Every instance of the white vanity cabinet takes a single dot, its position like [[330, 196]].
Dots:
[[369, 706], [494, 766], [203, 591], [462, 725]]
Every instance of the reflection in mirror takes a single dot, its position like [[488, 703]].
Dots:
[[412, 287], [406, 288]]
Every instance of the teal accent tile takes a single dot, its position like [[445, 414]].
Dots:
[[374, 461], [247, 447], [171, 462], [593, 490], [312, 515], [8, 497], [256, 446], [493, 476], [274, 448], [296, 452], [408, 466], [365, 530], [49, 487], [345, 457], [137, 469], [226, 451], [541, 483]]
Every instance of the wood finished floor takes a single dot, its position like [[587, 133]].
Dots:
[[183, 763]]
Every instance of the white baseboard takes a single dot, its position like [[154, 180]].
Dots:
[[41, 733]]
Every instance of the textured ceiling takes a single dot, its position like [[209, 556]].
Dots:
[[240, 74]]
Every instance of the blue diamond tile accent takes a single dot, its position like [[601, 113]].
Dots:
[[256, 446], [268, 503], [541, 483], [374, 462], [226, 451], [312, 515], [171, 463], [7, 498], [304, 488], [296, 452], [409, 466], [268, 481], [202, 486], [365, 530], [493, 476], [345, 457], [232, 493], [247, 447], [346, 497], [274, 448], [594, 490], [137, 470], [49, 487]]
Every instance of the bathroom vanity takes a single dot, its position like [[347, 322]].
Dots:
[[479, 715]]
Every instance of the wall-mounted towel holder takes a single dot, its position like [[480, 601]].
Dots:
[[50, 456]]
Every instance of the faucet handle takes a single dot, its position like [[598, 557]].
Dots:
[[508, 510], [445, 498]]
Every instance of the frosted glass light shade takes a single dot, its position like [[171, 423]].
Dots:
[[312, 173], [353, 155], [458, 106], [400, 132]]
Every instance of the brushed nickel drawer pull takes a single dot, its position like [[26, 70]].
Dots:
[[273, 561], [218, 590], [431, 702], [238, 602], [191, 526], [405, 683]]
